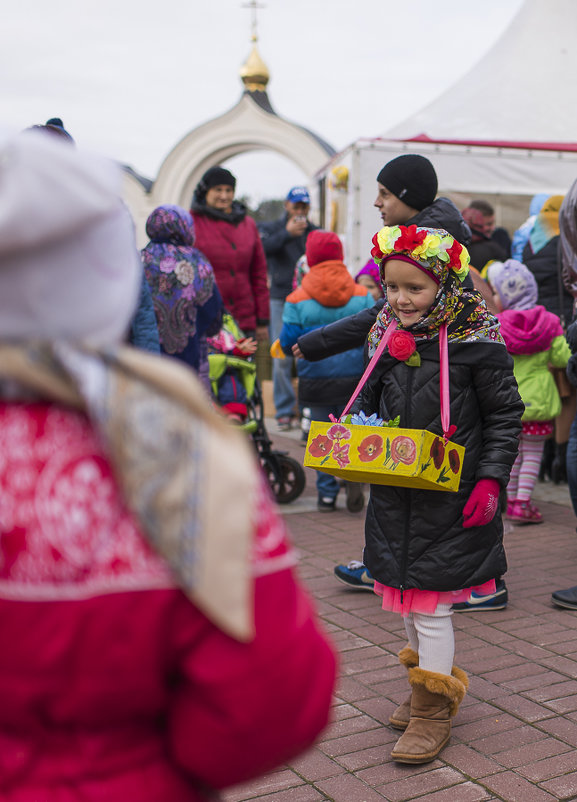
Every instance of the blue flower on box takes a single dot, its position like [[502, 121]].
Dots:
[[361, 419]]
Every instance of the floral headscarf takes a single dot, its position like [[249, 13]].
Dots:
[[180, 278], [440, 256]]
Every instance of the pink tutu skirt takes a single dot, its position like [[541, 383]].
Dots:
[[426, 601]]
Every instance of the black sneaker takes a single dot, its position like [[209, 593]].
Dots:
[[489, 601], [326, 504], [565, 598]]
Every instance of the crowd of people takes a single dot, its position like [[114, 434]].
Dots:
[[152, 618]]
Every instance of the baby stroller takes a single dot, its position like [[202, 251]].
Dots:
[[285, 475]]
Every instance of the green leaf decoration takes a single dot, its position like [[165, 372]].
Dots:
[[443, 476], [425, 466], [325, 459], [394, 423], [387, 451], [414, 361]]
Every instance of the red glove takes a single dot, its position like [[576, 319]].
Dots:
[[483, 503]]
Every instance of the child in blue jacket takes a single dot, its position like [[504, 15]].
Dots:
[[328, 292]]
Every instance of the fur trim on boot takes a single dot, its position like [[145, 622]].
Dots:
[[400, 718], [434, 701]]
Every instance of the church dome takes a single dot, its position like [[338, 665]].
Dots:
[[254, 72]]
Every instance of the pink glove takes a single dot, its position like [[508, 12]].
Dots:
[[483, 503]]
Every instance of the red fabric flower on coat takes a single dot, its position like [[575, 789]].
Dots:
[[402, 345]]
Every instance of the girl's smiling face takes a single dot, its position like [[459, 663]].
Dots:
[[410, 291]]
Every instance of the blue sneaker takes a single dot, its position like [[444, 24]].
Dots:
[[488, 601], [355, 575]]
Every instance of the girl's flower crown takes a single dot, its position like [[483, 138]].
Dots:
[[435, 249]]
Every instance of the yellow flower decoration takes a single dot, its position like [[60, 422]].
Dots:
[[387, 237], [429, 248]]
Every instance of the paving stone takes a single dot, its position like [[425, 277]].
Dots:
[[465, 792], [530, 754], [514, 788], [315, 765], [349, 788], [426, 783], [562, 787], [521, 735]]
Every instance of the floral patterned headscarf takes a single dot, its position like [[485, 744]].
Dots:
[[446, 261], [180, 278]]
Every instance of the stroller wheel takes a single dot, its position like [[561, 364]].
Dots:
[[285, 475]]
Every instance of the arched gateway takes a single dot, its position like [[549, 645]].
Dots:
[[252, 124]]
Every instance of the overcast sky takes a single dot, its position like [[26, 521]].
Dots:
[[131, 78]]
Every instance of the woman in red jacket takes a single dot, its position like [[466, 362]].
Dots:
[[154, 642], [230, 240]]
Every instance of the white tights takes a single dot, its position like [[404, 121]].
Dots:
[[433, 638]]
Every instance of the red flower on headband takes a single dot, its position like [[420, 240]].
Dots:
[[409, 238], [376, 252], [454, 253], [401, 345]]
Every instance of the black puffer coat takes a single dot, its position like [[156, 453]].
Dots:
[[415, 538]]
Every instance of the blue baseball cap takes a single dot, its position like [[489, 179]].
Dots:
[[299, 195]]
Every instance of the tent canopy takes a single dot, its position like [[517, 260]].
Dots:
[[522, 91]]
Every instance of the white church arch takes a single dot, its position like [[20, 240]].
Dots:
[[249, 126]]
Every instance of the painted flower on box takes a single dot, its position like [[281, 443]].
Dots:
[[320, 446], [341, 454], [454, 460], [438, 452], [403, 449], [370, 448], [338, 432]]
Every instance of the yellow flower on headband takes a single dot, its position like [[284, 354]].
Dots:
[[387, 237], [429, 248]]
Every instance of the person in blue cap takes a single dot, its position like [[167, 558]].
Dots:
[[284, 243]]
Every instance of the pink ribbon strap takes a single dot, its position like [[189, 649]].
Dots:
[[371, 366], [448, 430], [445, 395]]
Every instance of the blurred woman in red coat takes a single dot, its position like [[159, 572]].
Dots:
[[154, 642], [230, 240]]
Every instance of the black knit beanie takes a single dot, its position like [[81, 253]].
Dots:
[[412, 178], [215, 176]]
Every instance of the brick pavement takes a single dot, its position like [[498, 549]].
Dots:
[[515, 736]]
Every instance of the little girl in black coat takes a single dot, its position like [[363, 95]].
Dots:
[[427, 549]]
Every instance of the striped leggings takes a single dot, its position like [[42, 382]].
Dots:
[[526, 468]]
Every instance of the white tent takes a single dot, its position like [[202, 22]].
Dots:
[[505, 131], [522, 91]]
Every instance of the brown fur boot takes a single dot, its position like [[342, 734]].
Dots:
[[400, 718], [434, 701]]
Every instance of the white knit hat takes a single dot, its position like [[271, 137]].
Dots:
[[69, 266]]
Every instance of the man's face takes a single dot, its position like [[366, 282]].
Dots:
[[393, 211], [297, 209], [488, 225]]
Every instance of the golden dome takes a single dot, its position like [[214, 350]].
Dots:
[[254, 72]]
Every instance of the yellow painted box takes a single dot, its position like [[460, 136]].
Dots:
[[384, 455]]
